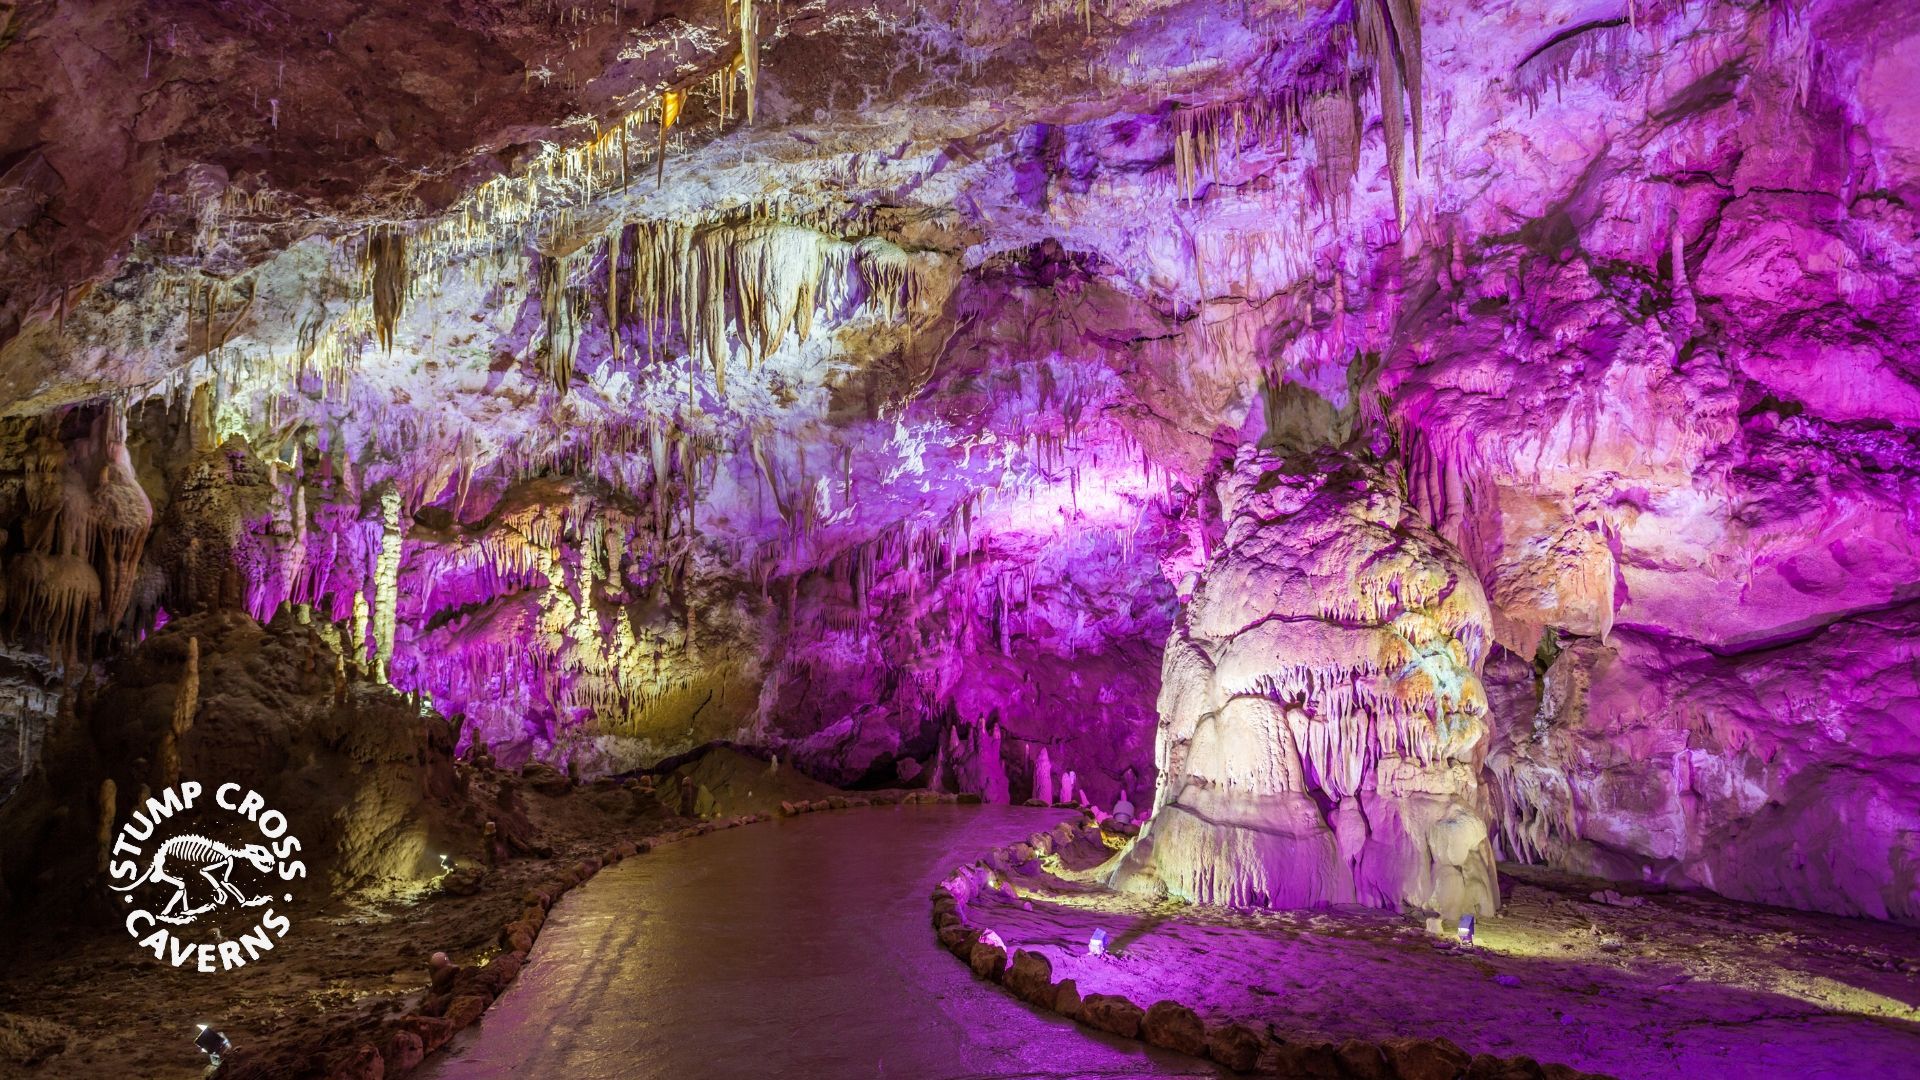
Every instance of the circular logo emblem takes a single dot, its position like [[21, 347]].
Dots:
[[201, 877]]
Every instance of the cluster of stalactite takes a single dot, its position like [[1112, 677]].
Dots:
[[567, 619], [498, 222], [83, 521], [746, 281], [1379, 49], [700, 289], [1601, 47]]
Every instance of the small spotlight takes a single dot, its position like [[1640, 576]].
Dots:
[[1097, 944], [446, 861], [212, 1043], [1466, 929]]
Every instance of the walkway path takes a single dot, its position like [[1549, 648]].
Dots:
[[798, 948]]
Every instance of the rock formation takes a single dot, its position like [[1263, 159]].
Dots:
[[1778, 775], [1322, 724], [909, 400]]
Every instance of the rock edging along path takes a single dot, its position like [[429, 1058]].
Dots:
[[458, 996], [1171, 1025]]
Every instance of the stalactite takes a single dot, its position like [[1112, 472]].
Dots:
[[56, 595], [1403, 18], [1595, 49], [1377, 41], [388, 277], [615, 244], [671, 103], [561, 342], [749, 53], [121, 518]]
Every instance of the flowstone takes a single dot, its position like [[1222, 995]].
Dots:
[[1322, 722]]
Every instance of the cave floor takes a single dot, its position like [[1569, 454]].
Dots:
[[1645, 984], [120, 1013], [86, 1003], [801, 948]]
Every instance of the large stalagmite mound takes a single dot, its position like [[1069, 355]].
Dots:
[[1322, 722]]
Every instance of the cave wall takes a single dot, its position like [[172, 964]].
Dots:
[[885, 427]]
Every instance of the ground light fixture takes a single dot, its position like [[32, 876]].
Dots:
[[211, 1042]]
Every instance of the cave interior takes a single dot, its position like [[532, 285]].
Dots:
[[1336, 538]]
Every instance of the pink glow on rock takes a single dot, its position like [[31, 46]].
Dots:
[[1322, 722], [1639, 358]]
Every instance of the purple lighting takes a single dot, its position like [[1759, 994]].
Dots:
[[1407, 512]]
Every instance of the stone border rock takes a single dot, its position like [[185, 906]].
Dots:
[[889, 797], [1028, 975]]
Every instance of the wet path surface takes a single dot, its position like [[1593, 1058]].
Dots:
[[796, 948]]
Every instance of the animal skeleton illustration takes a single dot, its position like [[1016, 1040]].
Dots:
[[191, 854]]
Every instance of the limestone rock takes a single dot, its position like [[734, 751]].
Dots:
[[1174, 1026], [1066, 1000], [1111, 1013], [1235, 1046], [988, 961], [1330, 656], [1426, 1059], [1031, 978]]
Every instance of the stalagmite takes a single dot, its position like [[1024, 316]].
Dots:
[[1685, 306], [386, 583], [204, 435], [1330, 653], [105, 807], [970, 761], [186, 703]]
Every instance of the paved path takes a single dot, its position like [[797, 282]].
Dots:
[[797, 948]]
